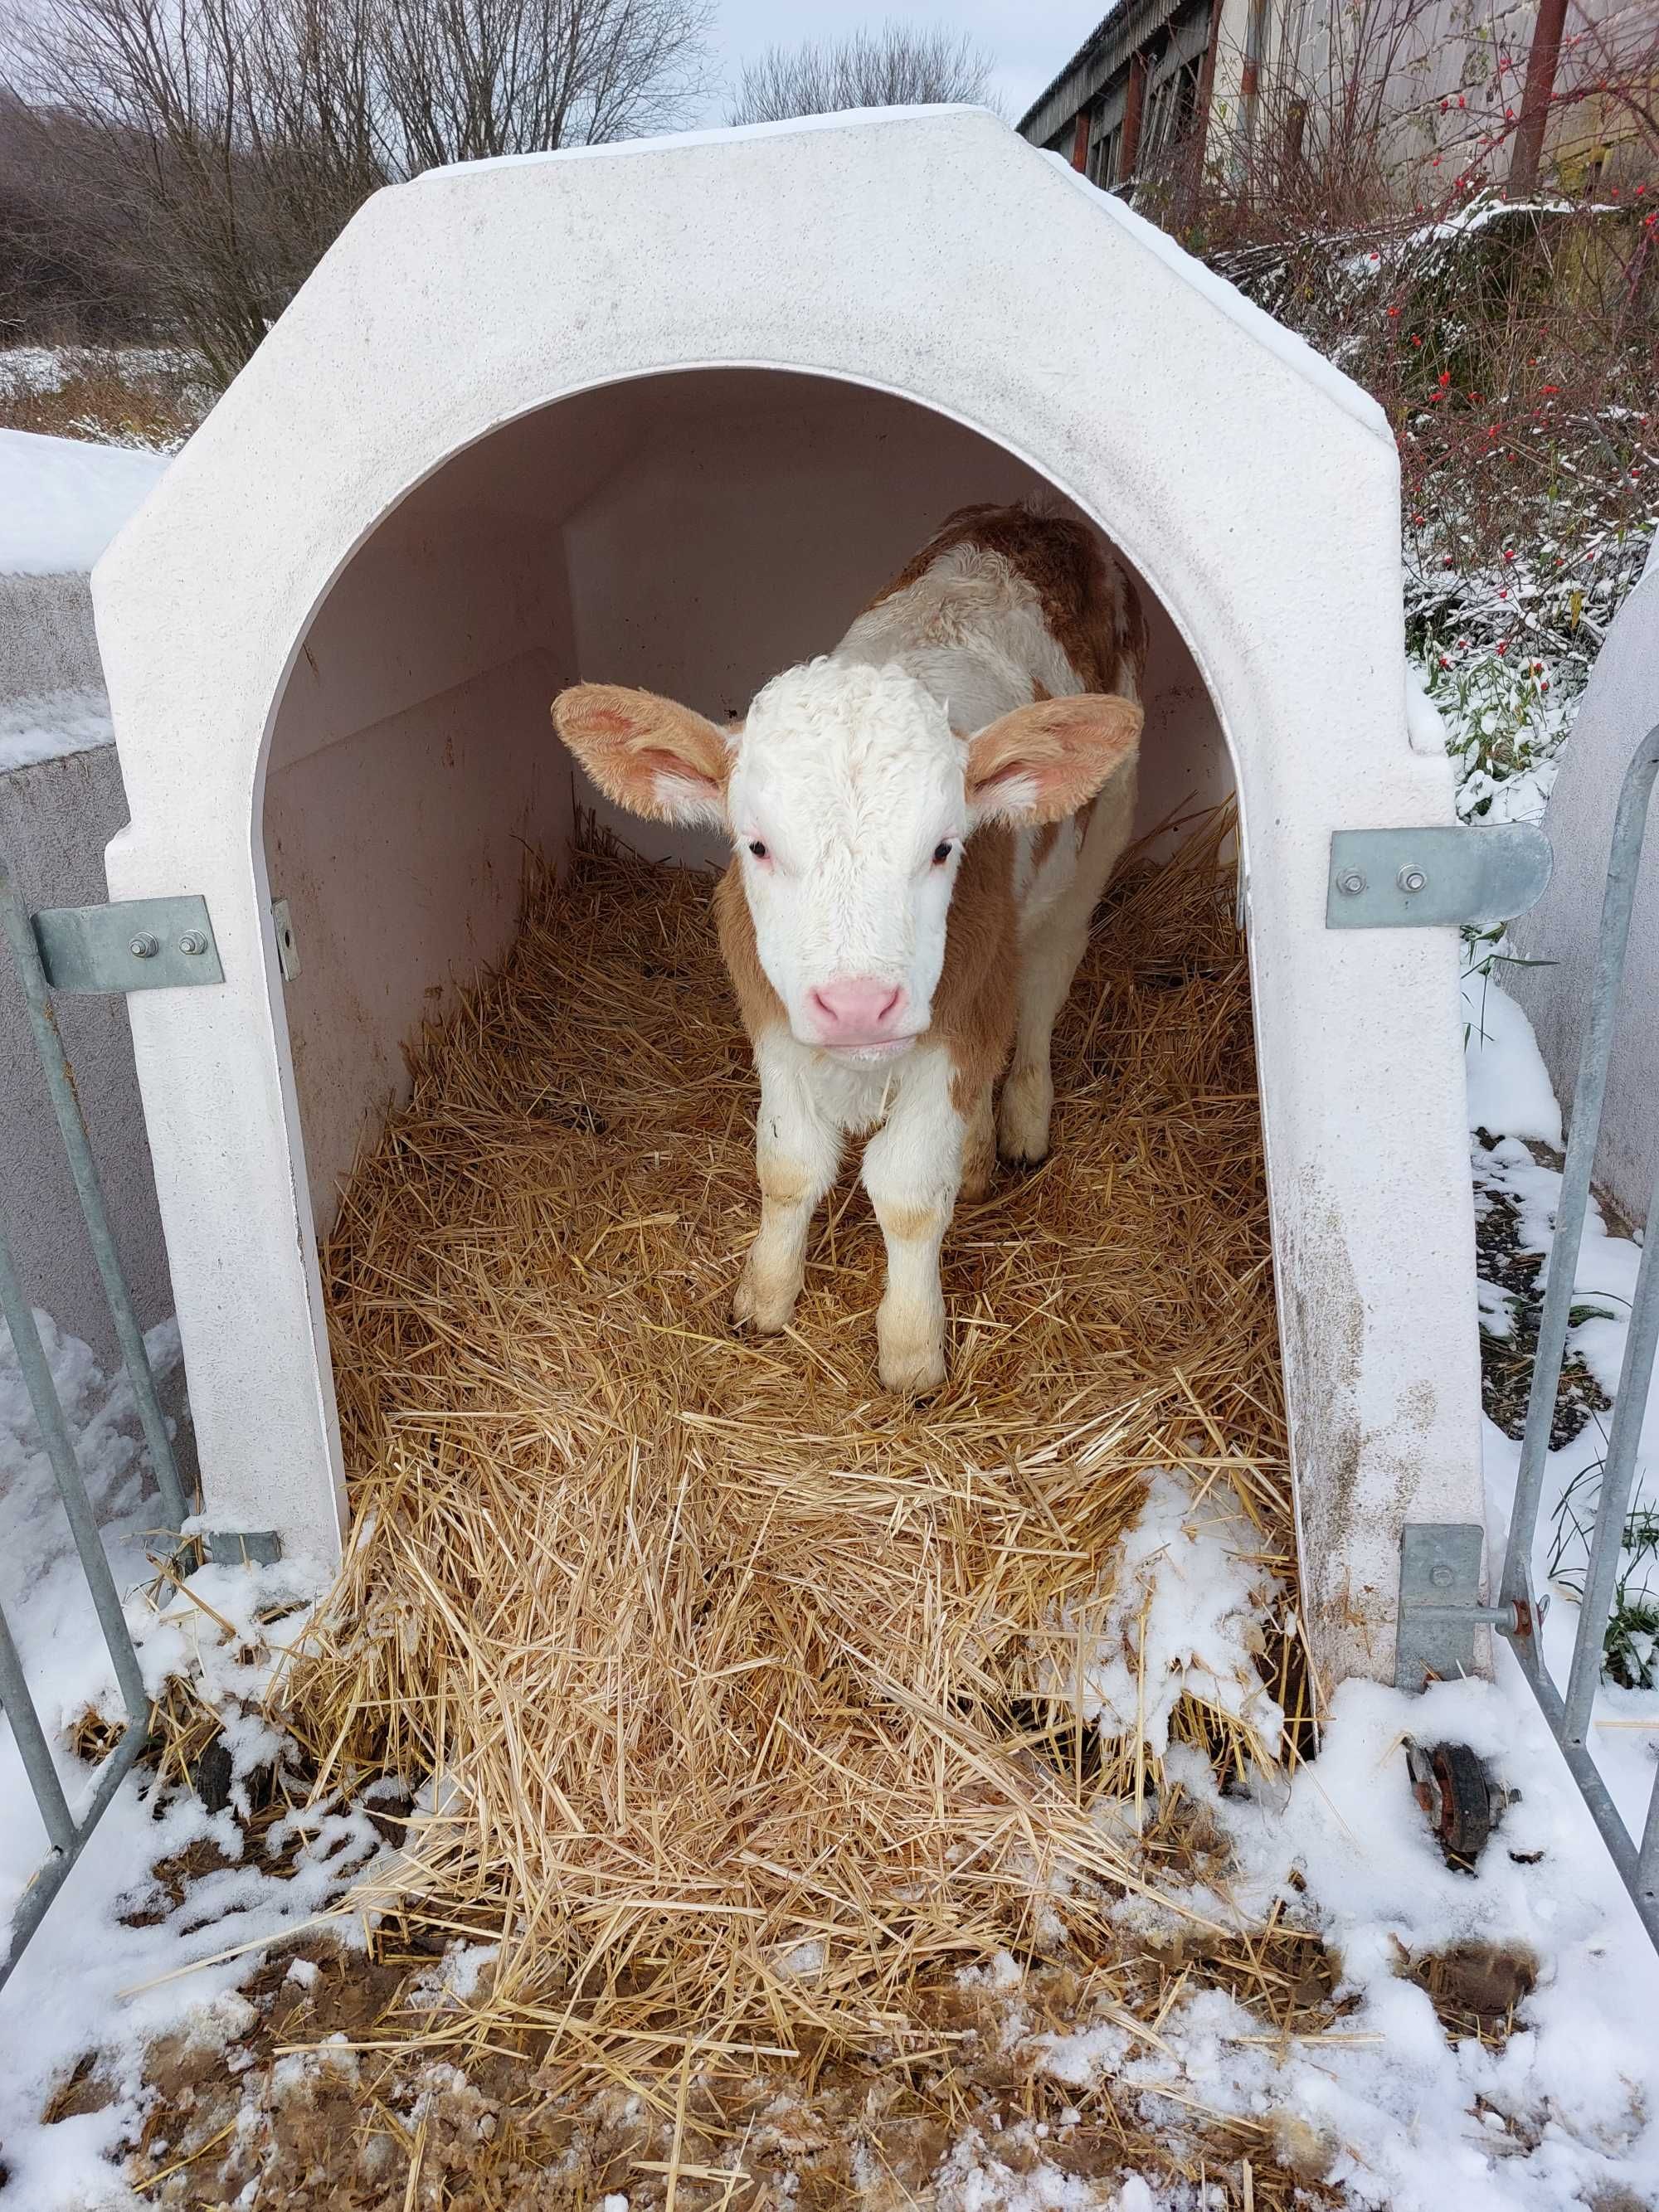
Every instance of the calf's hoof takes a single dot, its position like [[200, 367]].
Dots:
[[1022, 1117], [912, 1364], [765, 1307]]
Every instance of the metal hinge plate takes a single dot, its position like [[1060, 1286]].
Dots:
[[1440, 1606], [241, 1548], [1433, 878], [132, 945]]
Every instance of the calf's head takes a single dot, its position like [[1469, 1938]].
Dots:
[[848, 798]]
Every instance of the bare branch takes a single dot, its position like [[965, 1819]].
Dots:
[[894, 67], [223, 143]]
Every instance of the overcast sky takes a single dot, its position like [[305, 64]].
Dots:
[[1030, 39]]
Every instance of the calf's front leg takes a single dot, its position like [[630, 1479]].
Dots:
[[913, 1170], [797, 1154]]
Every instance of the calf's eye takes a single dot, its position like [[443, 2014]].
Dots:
[[757, 848], [941, 852]]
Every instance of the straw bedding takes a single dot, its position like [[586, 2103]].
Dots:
[[740, 1686]]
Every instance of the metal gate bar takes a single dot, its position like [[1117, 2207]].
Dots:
[[66, 1105], [66, 1833], [68, 1836], [1569, 1716]]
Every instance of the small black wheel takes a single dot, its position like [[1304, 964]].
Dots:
[[1462, 1819]]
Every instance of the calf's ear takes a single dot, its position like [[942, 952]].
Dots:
[[652, 755], [1041, 763]]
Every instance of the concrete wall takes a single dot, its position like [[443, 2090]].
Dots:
[[47, 638], [55, 817], [1619, 706]]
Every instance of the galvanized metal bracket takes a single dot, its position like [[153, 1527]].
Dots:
[[1439, 1602], [132, 945], [241, 1548], [1434, 877], [1440, 1606]]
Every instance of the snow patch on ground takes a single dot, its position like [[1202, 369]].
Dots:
[[62, 500], [92, 1981], [1386, 2105], [50, 724], [1508, 1084], [1182, 1617]]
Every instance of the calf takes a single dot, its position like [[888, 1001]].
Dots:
[[923, 821]]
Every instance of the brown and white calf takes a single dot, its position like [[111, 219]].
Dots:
[[923, 820]]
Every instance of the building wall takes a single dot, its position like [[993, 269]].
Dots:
[[1436, 76], [1447, 76]]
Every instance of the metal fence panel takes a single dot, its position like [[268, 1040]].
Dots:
[[1569, 1716], [66, 1831]]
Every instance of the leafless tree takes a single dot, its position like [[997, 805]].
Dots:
[[893, 67], [467, 79], [224, 143]]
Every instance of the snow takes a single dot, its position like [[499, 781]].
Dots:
[[1508, 1082], [1400, 2116], [50, 724], [91, 1981], [679, 141], [62, 500], [1387, 2108], [1181, 1619], [1425, 727]]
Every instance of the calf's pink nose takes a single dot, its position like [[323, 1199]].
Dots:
[[857, 1010]]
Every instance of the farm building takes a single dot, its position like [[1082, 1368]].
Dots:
[[1257, 87]]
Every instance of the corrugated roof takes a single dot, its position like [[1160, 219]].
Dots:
[[1080, 56]]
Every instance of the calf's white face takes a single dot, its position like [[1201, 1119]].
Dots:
[[848, 798], [848, 806]]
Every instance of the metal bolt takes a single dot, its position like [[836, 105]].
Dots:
[[1441, 1577], [192, 941], [1350, 883], [1410, 879], [144, 948]]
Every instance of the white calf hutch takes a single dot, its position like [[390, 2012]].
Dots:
[[665, 415]]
